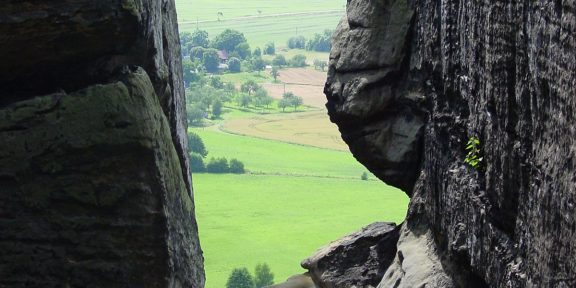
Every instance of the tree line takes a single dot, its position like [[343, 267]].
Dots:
[[321, 42], [197, 152], [241, 277]]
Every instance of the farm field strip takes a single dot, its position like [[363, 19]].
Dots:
[[305, 128], [192, 10], [259, 31]]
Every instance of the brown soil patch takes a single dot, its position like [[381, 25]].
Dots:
[[304, 82]]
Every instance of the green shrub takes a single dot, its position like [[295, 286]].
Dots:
[[298, 60], [197, 162], [219, 165], [234, 65], [236, 167], [364, 176]]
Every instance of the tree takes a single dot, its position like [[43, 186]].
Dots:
[[197, 163], [234, 65], [261, 98], [257, 52], [279, 61], [237, 167], [243, 50], [283, 103], [244, 100], [211, 60], [240, 278], [216, 109], [291, 100], [199, 38], [266, 101], [364, 176], [269, 48], [219, 165], [228, 40], [249, 87], [296, 101], [258, 64], [216, 82], [197, 53], [262, 276], [321, 42], [297, 42], [275, 72], [196, 145], [195, 114], [185, 37], [189, 72], [298, 60]]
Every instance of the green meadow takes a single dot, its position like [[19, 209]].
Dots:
[[298, 199], [261, 21]]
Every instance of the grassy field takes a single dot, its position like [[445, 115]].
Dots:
[[282, 219], [277, 20], [262, 77], [274, 157], [192, 10]]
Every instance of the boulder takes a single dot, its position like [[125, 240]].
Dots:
[[356, 260]]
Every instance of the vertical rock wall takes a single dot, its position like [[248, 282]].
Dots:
[[411, 82], [95, 188]]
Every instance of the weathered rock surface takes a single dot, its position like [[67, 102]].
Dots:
[[95, 189], [408, 99], [356, 260]]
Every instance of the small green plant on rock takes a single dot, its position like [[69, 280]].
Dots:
[[473, 156]]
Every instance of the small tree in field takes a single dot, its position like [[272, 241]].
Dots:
[[263, 276], [249, 87], [275, 72], [240, 278], [216, 109], [296, 102], [279, 61], [283, 103]]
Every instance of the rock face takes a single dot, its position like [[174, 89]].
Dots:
[[94, 179], [410, 82], [357, 260]]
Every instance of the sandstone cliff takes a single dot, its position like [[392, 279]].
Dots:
[[411, 82], [95, 188]]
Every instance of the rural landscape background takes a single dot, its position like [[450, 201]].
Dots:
[[288, 184]]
